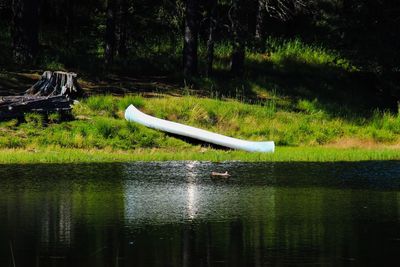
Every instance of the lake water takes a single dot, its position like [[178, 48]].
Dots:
[[175, 214]]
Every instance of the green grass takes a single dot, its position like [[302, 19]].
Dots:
[[295, 50], [291, 69], [282, 154], [280, 97], [100, 124], [280, 53]]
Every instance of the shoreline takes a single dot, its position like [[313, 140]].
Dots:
[[99, 133], [282, 154]]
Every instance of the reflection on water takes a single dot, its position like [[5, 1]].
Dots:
[[175, 214]]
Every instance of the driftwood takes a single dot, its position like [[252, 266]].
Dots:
[[17, 106], [54, 92]]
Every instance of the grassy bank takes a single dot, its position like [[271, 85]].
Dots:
[[307, 99], [99, 124], [301, 130], [282, 154]]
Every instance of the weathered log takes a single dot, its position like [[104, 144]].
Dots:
[[56, 83], [54, 92], [17, 106]]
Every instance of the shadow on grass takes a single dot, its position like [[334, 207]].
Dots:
[[14, 83], [338, 91]]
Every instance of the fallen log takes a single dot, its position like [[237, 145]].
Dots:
[[17, 106], [54, 92]]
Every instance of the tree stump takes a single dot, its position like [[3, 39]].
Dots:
[[54, 92], [55, 84]]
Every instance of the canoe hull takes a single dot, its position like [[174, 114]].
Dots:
[[135, 115]]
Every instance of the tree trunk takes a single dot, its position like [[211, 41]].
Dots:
[[238, 40], [24, 30], [191, 38], [210, 42], [69, 19], [123, 21], [110, 36], [259, 36]]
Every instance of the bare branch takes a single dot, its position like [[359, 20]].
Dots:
[[283, 9]]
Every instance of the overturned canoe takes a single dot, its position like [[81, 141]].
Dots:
[[135, 115]]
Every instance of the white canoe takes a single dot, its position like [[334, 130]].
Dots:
[[135, 115]]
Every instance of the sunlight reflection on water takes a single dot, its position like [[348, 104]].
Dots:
[[152, 213]]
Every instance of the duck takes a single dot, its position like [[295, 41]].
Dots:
[[221, 174]]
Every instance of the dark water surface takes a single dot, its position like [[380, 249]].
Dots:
[[175, 214]]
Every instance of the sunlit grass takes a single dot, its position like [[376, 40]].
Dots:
[[100, 124], [295, 50], [280, 52], [286, 154]]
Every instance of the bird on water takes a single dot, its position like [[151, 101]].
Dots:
[[221, 174]]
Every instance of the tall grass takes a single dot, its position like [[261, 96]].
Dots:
[[280, 52], [107, 105], [100, 124], [314, 154], [309, 125], [297, 51]]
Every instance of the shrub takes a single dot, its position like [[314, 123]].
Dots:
[[308, 106], [104, 104], [12, 142], [135, 100], [54, 118], [105, 127], [34, 119]]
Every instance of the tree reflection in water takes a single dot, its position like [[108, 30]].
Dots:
[[174, 214]]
